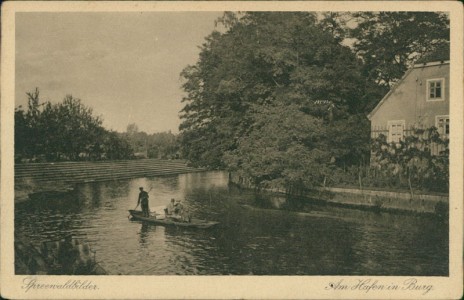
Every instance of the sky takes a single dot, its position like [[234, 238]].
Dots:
[[124, 65]]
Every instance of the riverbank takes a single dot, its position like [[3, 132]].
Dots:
[[369, 199], [64, 257], [383, 200], [60, 178]]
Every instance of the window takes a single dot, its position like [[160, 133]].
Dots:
[[395, 131], [436, 89], [442, 124]]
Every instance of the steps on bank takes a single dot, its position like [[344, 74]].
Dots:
[[75, 172]]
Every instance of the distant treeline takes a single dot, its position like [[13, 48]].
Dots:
[[163, 145], [68, 131]]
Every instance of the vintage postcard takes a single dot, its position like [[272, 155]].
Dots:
[[232, 150]]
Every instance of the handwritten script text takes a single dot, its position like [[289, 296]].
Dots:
[[369, 285]]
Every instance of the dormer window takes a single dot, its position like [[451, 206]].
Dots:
[[436, 89]]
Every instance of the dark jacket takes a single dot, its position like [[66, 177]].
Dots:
[[143, 197]]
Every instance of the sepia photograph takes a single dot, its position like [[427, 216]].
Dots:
[[232, 143]]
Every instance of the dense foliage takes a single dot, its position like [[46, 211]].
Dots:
[[64, 131], [420, 162], [279, 98], [69, 131], [391, 42], [272, 98]]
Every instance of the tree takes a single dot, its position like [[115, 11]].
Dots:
[[163, 145], [30, 135], [21, 134], [116, 147], [391, 42], [283, 63], [336, 24], [77, 119], [283, 149], [64, 131], [137, 139], [132, 129]]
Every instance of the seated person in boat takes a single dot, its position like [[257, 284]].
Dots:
[[180, 212], [178, 207], [169, 210]]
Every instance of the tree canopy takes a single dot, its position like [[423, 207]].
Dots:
[[269, 77], [391, 42], [282, 97], [67, 130]]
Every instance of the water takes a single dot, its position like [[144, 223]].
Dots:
[[327, 241]]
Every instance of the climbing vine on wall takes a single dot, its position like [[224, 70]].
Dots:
[[419, 161]]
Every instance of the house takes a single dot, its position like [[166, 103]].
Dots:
[[419, 100]]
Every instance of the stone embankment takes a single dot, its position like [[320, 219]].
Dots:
[[60, 177], [369, 199], [384, 200]]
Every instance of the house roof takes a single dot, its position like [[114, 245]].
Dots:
[[416, 66]]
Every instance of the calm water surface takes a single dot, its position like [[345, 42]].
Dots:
[[328, 241]]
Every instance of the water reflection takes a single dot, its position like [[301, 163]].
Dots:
[[321, 241], [143, 234]]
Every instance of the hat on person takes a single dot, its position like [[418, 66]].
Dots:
[[141, 188]]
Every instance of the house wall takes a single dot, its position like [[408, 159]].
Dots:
[[408, 100]]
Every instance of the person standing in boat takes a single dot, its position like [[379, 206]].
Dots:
[[143, 201]]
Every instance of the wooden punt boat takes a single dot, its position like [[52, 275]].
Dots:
[[195, 223]]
